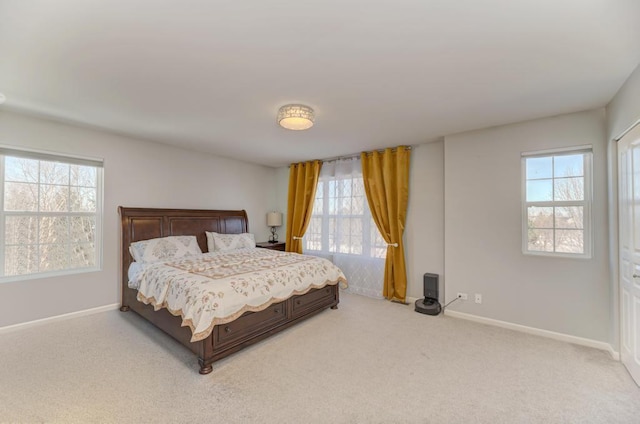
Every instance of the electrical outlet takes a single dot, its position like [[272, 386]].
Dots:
[[478, 298], [463, 296]]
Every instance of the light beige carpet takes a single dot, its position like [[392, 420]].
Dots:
[[371, 361]]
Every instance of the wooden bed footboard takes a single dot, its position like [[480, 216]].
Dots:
[[251, 327]]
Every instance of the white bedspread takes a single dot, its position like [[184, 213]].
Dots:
[[216, 288]]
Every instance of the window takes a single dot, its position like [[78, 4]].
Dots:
[[557, 203], [341, 221], [51, 214], [342, 229]]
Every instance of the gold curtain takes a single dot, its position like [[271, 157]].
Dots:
[[386, 183], [303, 180]]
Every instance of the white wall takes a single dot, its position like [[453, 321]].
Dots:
[[424, 232], [282, 192], [483, 230], [622, 112], [624, 108], [136, 174]]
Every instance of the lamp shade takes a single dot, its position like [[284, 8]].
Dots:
[[274, 219]]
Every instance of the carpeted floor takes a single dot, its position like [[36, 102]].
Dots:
[[371, 361]]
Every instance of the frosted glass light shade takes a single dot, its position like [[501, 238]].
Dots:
[[274, 219], [295, 117]]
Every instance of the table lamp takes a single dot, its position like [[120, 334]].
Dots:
[[274, 219]]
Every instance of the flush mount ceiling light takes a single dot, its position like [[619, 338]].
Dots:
[[295, 117]]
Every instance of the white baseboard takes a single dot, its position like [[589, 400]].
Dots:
[[614, 354], [23, 325], [538, 332]]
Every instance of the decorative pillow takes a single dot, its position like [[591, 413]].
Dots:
[[164, 248], [222, 242]]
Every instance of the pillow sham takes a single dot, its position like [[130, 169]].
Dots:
[[221, 242], [164, 248]]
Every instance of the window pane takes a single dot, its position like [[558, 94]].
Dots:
[[539, 168], [331, 196], [53, 257], [318, 203], [313, 242], [378, 245], [21, 170], [333, 188], [54, 229], [356, 236], [21, 230], [343, 235], [540, 240], [54, 198], [21, 197], [344, 206], [568, 166], [333, 242], [379, 252], [359, 198], [84, 176], [569, 217], [539, 190], [315, 225], [570, 241], [350, 241], [569, 189], [54, 173], [313, 236], [345, 188], [83, 255], [83, 199], [540, 217], [19, 260], [83, 229]]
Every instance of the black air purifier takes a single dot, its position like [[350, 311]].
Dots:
[[429, 305]]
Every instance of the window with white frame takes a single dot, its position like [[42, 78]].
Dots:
[[341, 221], [557, 202], [342, 228], [51, 214]]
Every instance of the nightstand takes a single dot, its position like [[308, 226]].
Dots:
[[280, 245]]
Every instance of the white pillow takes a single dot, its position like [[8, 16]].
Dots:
[[164, 248], [221, 242]]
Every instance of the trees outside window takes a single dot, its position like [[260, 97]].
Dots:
[[557, 203], [341, 221], [51, 214]]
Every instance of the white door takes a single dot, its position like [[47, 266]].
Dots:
[[629, 225]]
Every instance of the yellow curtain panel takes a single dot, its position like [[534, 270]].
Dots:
[[303, 180], [386, 183]]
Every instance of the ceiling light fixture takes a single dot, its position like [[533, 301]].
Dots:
[[295, 117]]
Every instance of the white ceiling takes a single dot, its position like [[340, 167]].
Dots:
[[210, 75]]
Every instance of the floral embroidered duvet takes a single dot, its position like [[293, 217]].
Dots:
[[216, 288]]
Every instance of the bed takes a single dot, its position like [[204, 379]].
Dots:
[[228, 334]]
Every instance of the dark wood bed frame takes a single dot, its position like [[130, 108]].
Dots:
[[143, 224]]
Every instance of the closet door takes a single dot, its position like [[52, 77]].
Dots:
[[629, 226]]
